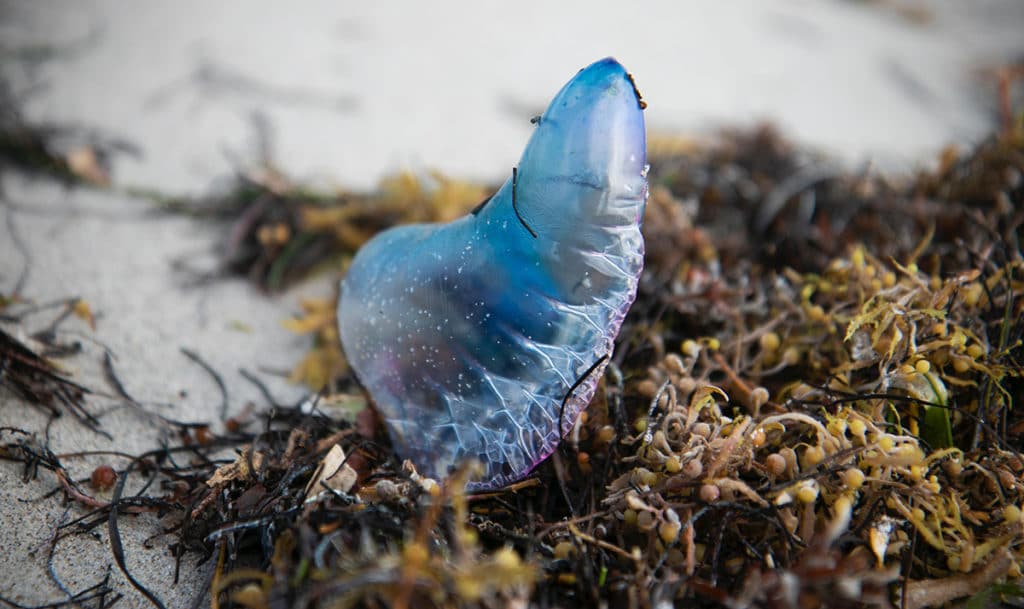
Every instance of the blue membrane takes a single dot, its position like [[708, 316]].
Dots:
[[469, 335]]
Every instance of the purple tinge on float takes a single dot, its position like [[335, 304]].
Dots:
[[469, 335]]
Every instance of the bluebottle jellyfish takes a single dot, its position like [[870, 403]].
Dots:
[[486, 337]]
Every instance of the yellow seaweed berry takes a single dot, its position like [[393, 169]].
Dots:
[[672, 465], [669, 532], [858, 428], [506, 558], [564, 549], [629, 517], [690, 348], [415, 554], [837, 427], [972, 294], [770, 341], [469, 588], [249, 595], [669, 527], [775, 464], [646, 476], [857, 258], [674, 363], [807, 493], [709, 493], [853, 478], [813, 455], [759, 397], [82, 311], [583, 461], [702, 429], [911, 452], [1011, 514], [647, 388], [975, 351], [923, 366]]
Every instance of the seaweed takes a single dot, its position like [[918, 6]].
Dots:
[[811, 401], [38, 382]]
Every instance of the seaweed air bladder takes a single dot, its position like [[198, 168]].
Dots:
[[485, 338]]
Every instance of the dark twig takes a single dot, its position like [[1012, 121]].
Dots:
[[192, 355], [115, 540], [112, 378], [19, 244], [264, 391], [574, 387]]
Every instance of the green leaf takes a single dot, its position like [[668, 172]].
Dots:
[[936, 429], [994, 596]]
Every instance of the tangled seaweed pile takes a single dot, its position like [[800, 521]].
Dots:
[[816, 400], [812, 402]]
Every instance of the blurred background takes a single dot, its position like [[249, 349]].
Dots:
[[349, 91]]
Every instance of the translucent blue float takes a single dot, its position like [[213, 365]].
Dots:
[[486, 337]]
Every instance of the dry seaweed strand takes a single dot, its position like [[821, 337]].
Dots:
[[278, 232], [72, 156], [40, 384], [829, 462]]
